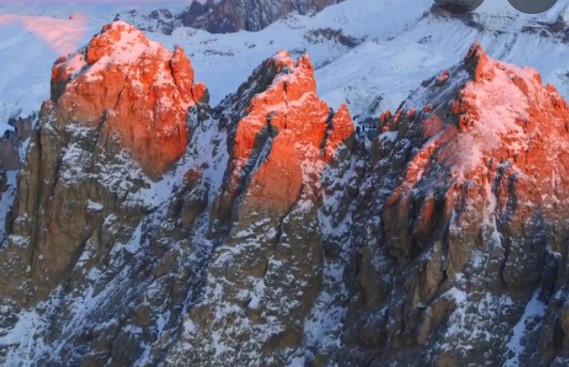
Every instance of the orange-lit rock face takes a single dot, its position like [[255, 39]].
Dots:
[[299, 116], [290, 104], [503, 114], [137, 88], [342, 129], [298, 120], [506, 114], [500, 149]]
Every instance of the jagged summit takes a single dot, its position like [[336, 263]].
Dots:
[[506, 108], [283, 143], [135, 88], [220, 16], [223, 16], [473, 176], [282, 237], [488, 109], [482, 117], [294, 123]]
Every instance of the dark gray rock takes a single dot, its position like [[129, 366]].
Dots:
[[226, 16]]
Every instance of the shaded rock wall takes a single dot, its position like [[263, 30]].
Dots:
[[273, 234]]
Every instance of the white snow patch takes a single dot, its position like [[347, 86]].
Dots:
[[534, 311]]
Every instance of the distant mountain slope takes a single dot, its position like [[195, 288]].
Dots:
[[224, 16]]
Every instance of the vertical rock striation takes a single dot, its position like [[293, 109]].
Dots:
[[151, 229]]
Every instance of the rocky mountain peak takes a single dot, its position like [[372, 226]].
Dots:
[[134, 88], [233, 15], [341, 131], [286, 131], [281, 237], [503, 108], [473, 174], [224, 16], [486, 106]]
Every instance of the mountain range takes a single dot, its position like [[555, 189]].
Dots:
[[389, 191]]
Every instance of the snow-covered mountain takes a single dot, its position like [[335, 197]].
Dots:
[[223, 16], [399, 44], [389, 191]]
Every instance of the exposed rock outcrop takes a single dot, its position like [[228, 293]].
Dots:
[[122, 96], [234, 15], [225, 16], [13, 140], [469, 220], [268, 232], [293, 122], [133, 88], [268, 208], [88, 223]]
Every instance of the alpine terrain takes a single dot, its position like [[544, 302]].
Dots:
[[391, 191], [227, 15]]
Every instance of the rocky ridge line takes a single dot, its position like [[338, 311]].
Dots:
[[277, 237], [225, 16], [469, 220], [146, 93]]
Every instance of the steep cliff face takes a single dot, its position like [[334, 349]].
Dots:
[[132, 88], [149, 228], [97, 237], [266, 273], [129, 248], [122, 96], [463, 223]]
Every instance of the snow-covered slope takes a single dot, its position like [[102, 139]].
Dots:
[[282, 235], [225, 16], [368, 53], [108, 266], [28, 48]]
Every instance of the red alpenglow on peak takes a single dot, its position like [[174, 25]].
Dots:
[[506, 112], [341, 130], [503, 139], [502, 112], [300, 120], [291, 95], [136, 87]]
